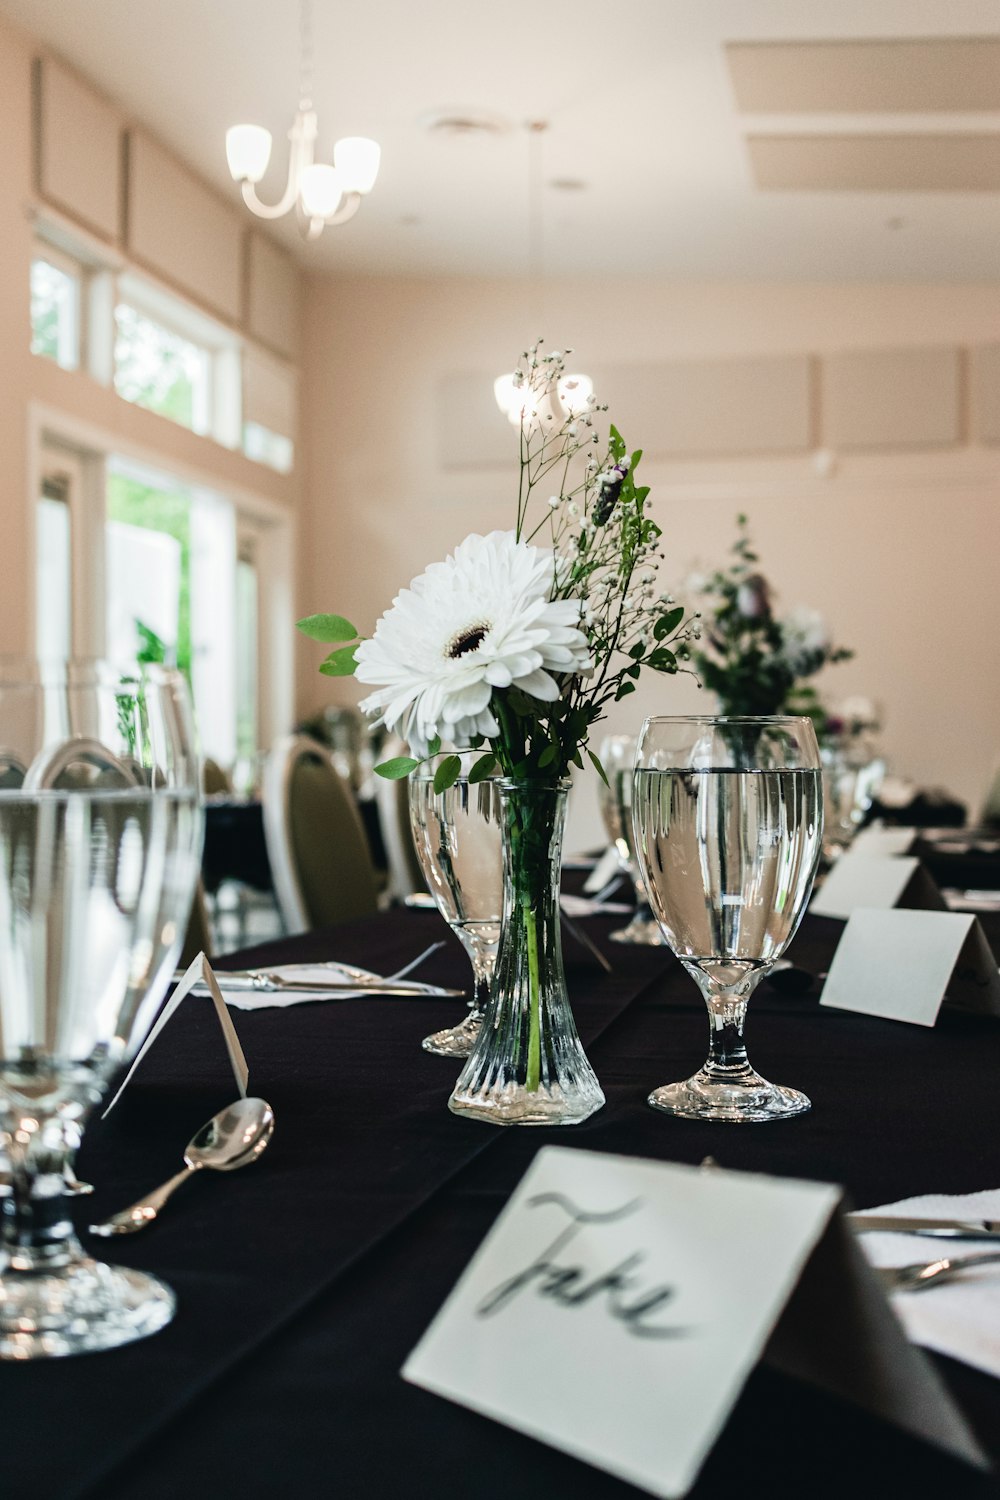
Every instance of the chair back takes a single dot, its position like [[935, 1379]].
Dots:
[[11, 771], [392, 798], [78, 763], [215, 782], [320, 860]]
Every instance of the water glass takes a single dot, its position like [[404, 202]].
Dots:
[[617, 756], [728, 823], [458, 834], [100, 843]]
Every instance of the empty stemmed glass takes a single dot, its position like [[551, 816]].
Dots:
[[728, 820], [617, 756], [459, 841], [99, 853]]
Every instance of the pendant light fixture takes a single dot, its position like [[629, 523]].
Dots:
[[573, 391], [319, 193]]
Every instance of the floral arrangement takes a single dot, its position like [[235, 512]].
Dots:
[[752, 659], [517, 642]]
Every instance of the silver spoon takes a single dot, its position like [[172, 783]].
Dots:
[[233, 1138], [925, 1273]]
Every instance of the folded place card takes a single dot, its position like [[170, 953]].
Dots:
[[198, 972], [617, 1307], [875, 880], [902, 965]]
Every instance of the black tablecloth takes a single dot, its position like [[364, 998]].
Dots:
[[304, 1282]]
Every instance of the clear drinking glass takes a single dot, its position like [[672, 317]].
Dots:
[[617, 756], [458, 835], [728, 821], [852, 776], [99, 854]]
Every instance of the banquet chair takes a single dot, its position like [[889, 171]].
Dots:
[[215, 782], [79, 762], [392, 798], [11, 771], [320, 860]]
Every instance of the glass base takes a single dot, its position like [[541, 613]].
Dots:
[[645, 930], [735, 1101], [456, 1041], [87, 1306], [515, 1105]]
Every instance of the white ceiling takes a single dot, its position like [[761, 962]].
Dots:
[[640, 108]]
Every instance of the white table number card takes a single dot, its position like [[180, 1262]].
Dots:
[[882, 841], [617, 1307], [902, 965], [875, 880]]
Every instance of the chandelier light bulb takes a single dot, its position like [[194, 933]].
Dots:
[[575, 392], [248, 151], [357, 159], [320, 190], [508, 398]]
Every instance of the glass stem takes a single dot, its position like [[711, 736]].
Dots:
[[36, 1233], [727, 1054]]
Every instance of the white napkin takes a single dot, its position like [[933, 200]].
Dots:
[[959, 1317], [587, 906], [320, 975]]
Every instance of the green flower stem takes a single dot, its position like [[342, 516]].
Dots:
[[534, 1004]]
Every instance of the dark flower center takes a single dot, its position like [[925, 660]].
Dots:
[[469, 640]]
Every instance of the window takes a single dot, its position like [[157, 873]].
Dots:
[[270, 399], [148, 569], [55, 310], [54, 579], [266, 447], [158, 369], [247, 605]]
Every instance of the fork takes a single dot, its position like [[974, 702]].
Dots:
[[925, 1273]]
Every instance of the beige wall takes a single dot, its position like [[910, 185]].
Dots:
[[899, 551], [69, 400], [15, 336]]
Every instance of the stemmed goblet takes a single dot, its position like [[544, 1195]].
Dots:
[[617, 756], [99, 852], [728, 821], [459, 841]]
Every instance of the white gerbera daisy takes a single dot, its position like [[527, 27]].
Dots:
[[480, 620]]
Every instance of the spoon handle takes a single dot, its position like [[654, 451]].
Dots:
[[132, 1219]]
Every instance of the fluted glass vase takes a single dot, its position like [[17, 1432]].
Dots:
[[528, 1066]]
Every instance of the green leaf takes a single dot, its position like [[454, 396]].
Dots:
[[395, 770], [484, 766], [637, 651], [327, 628], [668, 623], [447, 773], [339, 663], [624, 688], [662, 660], [548, 755], [434, 745], [599, 769]]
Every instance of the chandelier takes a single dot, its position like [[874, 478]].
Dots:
[[319, 193], [573, 392]]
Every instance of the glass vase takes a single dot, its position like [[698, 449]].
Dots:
[[528, 1066]]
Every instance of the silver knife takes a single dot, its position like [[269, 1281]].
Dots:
[[945, 1229], [263, 982]]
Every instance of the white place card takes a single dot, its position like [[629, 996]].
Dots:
[[883, 841], [198, 972], [875, 880], [902, 965], [617, 1307]]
